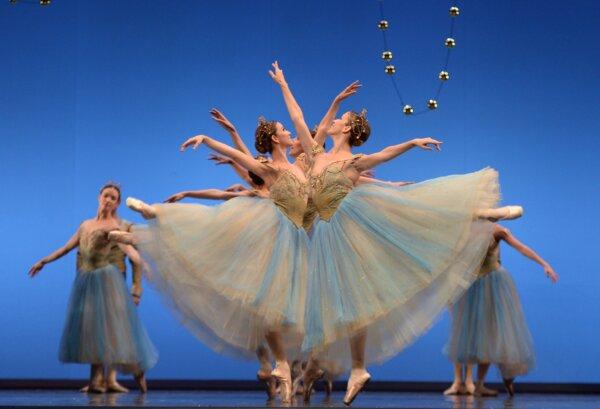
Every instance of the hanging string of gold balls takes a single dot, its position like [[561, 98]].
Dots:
[[40, 2], [390, 69]]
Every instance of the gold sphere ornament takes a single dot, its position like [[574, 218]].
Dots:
[[444, 76], [386, 55], [432, 104], [454, 11], [45, 2], [383, 25], [450, 43], [390, 69], [408, 110]]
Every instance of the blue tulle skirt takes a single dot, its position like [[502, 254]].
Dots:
[[390, 260], [103, 326], [488, 326], [231, 272]]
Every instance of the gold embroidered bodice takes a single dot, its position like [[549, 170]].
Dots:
[[330, 187], [290, 195], [95, 250], [492, 259], [116, 255]]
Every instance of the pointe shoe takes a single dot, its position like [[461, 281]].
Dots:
[[140, 379], [270, 383], [137, 205], [122, 237], [509, 384], [513, 212], [116, 387], [355, 385], [85, 389], [482, 391], [309, 378], [469, 388], [284, 376]]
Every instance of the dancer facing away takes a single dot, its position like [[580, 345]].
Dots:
[[488, 324], [384, 261], [250, 283], [102, 327]]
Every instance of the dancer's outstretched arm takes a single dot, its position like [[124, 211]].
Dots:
[[370, 161], [504, 234], [228, 126], [213, 194], [241, 171], [295, 111], [244, 160], [332, 112], [69, 245]]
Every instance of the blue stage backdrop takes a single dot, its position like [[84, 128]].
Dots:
[[107, 90]]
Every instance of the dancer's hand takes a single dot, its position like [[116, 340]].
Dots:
[[348, 91], [222, 120], [194, 142], [35, 269], [236, 188], [176, 197], [277, 74], [551, 273], [220, 160], [428, 143], [136, 294]]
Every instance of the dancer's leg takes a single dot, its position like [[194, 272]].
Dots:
[[264, 373], [282, 368], [96, 379], [358, 375], [480, 389], [111, 382], [469, 385], [454, 389], [500, 213]]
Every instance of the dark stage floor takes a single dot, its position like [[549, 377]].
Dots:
[[255, 399]]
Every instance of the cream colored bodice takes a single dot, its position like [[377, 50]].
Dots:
[[290, 195], [330, 187], [492, 259], [96, 250]]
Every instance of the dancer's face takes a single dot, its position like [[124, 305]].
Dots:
[[296, 148], [340, 126], [282, 136], [109, 199]]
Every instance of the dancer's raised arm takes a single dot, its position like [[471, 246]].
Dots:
[[69, 245], [239, 170], [228, 126], [504, 234], [247, 161], [212, 194], [295, 111], [332, 111], [370, 161]]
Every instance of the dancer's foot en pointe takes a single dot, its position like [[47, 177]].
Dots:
[[112, 385], [264, 375], [122, 237], [312, 374], [509, 384], [469, 388], [358, 379], [501, 213], [145, 209], [283, 374]]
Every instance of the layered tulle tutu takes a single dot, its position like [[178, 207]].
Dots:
[[231, 272], [390, 259], [488, 326], [102, 325]]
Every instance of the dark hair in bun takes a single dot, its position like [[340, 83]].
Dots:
[[111, 185], [359, 127], [263, 135]]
